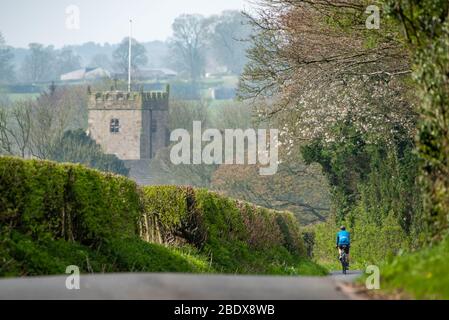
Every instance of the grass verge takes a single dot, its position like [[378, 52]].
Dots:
[[423, 274]]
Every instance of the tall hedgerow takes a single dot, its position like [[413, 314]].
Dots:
[[53, 215]]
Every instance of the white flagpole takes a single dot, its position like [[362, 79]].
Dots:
[[129, 54]]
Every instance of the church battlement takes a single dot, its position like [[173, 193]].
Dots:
[[131, 125], [114, 96], [124, 100], [155, 95], [129, 96]]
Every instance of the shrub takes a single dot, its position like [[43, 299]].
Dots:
[[77, 147], [230, 232], [51, 201], [261, 226], [54, 215], [170, 216]]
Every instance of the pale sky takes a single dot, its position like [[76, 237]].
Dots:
[[47, 22]]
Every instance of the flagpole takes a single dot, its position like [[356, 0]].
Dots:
[[129, 54]]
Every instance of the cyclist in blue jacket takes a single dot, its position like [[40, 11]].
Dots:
[[343, 241]]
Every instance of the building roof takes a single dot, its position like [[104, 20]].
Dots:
[[85, 73]]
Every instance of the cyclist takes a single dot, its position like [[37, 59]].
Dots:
[[343, 242]]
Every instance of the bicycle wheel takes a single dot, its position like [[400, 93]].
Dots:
[[344, 263]]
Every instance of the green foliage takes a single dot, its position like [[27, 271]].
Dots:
[[21, 255], [374, 177], [422, 274], [49, 201], [370, 243], [375, 193], [291, 234], [103, 205], [237, 237], [426, 24], [135, 255], [55, 215], [344, 163], [322, 247], [168, 203], [231, 236], [171, 216]]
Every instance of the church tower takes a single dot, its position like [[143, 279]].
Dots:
[[130, 125]]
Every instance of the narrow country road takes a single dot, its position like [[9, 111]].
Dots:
[[180, 287]]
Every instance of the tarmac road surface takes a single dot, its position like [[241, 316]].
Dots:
[[170, 286]]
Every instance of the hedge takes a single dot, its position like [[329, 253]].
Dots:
[[114, 225], [229, 231], [60, 201]]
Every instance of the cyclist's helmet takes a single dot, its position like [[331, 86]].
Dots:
[[342, 228]]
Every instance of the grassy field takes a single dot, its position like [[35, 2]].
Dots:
[[20, 96]]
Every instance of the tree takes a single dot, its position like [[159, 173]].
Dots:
[[76, 147], [34, 128], [426, 31], [230, 39], [138, 56], [101, 60], [296, 187], [164, 172], [38, 64], [313, 64], [6, 66], [232, 115], [67, 61], [341, 96], [183, 113], [6, 143], [16, 129], [188, 45], [56, 111]]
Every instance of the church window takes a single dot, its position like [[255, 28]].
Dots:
[[115, 126]]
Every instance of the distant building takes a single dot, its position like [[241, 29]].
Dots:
[[157, 73], [131, 125], [86, 74]]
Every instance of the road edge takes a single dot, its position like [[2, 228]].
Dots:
[[351, 291]]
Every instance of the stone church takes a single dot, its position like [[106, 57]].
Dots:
[[131, 125]]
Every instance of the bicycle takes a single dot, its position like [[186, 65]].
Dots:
[[344, 259]]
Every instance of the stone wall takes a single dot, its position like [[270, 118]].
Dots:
[[124, 144], [161, 135], [143, 120]]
